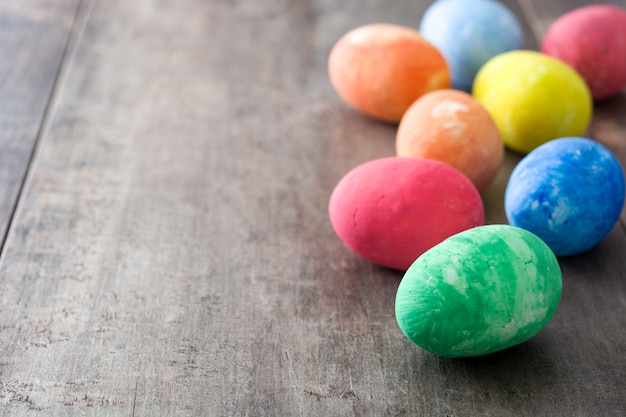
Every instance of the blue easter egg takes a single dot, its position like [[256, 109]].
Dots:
[[569, 192], [469, 33]]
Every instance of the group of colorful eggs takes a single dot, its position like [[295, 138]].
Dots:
[[472, 289]]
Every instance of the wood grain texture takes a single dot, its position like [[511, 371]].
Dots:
[[33, 38], [173, 256]]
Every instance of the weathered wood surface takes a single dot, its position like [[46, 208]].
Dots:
[[172, 255], [33, 39]]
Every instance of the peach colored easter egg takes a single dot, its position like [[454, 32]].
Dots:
[[381, 69], [452, 127]]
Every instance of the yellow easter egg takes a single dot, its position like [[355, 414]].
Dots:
[[533, 98]]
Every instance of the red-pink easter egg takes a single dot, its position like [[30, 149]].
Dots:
[[592, 39], [391, 210]]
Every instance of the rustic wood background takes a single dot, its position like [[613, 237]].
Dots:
[[165, 169]]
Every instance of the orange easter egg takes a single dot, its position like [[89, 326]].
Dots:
[[381, 69], [452, 127]]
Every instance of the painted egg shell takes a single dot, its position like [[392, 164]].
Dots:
[[569, 192], [533, 98], [469, 33], [381, 69], [479, 291], [450, 126], [391, 210], [592, 39]]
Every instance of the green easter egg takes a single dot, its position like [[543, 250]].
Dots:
[[479, 291]]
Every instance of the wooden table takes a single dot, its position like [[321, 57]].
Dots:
[[165, 169]]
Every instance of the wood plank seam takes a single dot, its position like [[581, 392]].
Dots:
[[78, 26], [531, 16]]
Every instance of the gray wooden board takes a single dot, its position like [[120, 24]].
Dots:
[[33, 36], [172, 254]]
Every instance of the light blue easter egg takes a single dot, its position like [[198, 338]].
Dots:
[[569, 192], [469, 33]]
